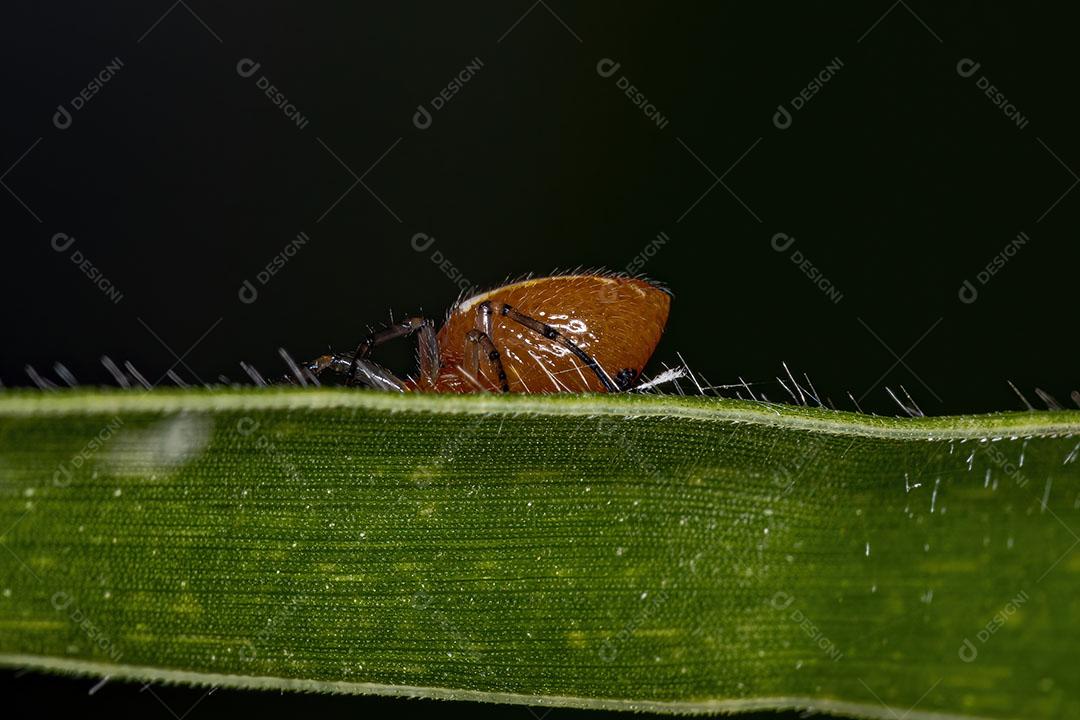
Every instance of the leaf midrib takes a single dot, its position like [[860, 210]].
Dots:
[[110, 401]]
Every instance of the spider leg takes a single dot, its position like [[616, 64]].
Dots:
[[428, 347], [369, 373], [479, 339], [378, 377], [552, 334], [475, 341], [483, 317]]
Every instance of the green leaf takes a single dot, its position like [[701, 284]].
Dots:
[[646, 552]]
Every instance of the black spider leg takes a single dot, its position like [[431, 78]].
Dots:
[[627, 378], [369, 373], [428, 346], [552, 334], [479, 339]]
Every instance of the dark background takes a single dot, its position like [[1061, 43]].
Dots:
[[899, 180]]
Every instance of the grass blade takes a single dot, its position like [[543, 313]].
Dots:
[[637, 552]]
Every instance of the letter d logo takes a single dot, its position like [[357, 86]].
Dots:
[[967, 67], [248, 294], [61, 242], [246, 651], [61, 118], [421, 241], [781, 241], [247, 67], [62, 476], [782, 600], [608, 651], [968, 294], [781, 118], [607, 67], [421, 118]]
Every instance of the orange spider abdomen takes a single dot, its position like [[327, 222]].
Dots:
[[616, 320]]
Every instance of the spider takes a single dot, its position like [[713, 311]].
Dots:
[[589, 332]]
